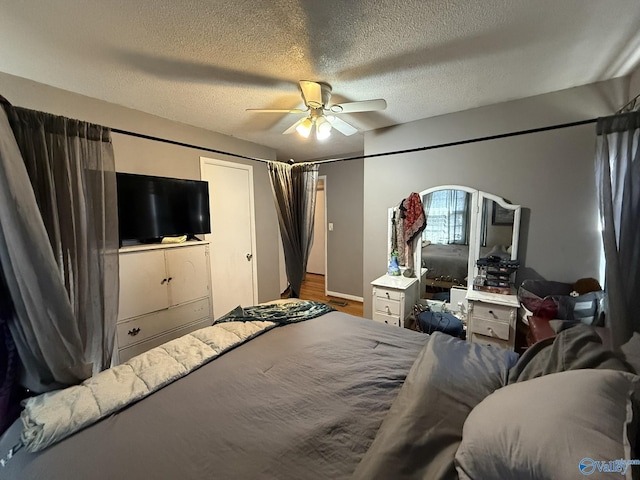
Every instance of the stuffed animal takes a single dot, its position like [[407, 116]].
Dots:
[[585, 285]]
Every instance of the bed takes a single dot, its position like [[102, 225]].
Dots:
[[448, 262], [329, 397]]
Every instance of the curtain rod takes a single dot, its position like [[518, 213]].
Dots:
[[630, 105], [463, 142], [188, 145], [373, 155]]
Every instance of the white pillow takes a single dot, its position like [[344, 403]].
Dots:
[[552, 427]]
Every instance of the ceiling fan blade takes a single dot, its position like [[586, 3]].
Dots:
[[311, 93], [292, 128], [342, 126], [265, 110], [363, 106], [191, 71]]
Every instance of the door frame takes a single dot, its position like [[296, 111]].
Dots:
[[252, 213], [326, 263], [323, 179]]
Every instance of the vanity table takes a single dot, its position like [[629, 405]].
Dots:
[[492, 318], [464, 225], [393, 298]]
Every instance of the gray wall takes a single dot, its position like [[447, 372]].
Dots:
[[550, 174], [344, 193], [135, 155]]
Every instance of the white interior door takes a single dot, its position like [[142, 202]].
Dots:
[[232, 238]]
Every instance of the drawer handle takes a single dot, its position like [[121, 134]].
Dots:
[[387, 294], [169, 279], [164, 280], [134, 331], [490, 330], [494, 315], [388, 309]]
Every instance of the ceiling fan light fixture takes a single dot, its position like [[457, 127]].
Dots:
[[323, 128], [316, 97], [304, 127]]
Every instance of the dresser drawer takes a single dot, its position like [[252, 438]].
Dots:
[[125, 354], [388, 294], [388, 319], [491, 341], [490, 328], [490, 311], [389, 307], [146, 326]]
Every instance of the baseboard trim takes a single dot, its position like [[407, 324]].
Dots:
[[346, 296]]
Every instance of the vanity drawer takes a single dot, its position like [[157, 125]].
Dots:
[[389, 307], [389, 294], [490, 328], [388, 319], [491, 341], [491, 311]]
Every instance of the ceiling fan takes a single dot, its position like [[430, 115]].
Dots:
[[316, 96]]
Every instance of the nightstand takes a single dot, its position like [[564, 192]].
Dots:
[[492, 319], [393, 298]]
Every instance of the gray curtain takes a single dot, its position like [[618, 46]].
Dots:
[[10, 393], [294, 192], [59, 249], [618, 182]]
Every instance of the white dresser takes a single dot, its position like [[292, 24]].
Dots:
[[393, 298], [165, 292], [492, 319]]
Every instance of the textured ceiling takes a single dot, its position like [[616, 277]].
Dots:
[[204, 62]]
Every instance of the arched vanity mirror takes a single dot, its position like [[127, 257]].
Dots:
[[463, 224]]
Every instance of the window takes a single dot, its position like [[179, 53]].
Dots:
[[447, 214]]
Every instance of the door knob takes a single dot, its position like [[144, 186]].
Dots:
[[249, 257]]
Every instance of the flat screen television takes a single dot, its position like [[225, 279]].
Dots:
[[150, 208]]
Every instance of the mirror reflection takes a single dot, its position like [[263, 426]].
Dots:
[[497, 236], [446, 237], [496, 232]]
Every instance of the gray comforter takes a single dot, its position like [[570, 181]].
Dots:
[[301, 401], [334, 397], [419, 437]]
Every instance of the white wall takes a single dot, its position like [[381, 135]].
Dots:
[[135, 155], [550, 174]]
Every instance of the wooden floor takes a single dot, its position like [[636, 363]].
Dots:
[[313, 289]]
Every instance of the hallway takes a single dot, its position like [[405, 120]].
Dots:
[[313, 289]]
